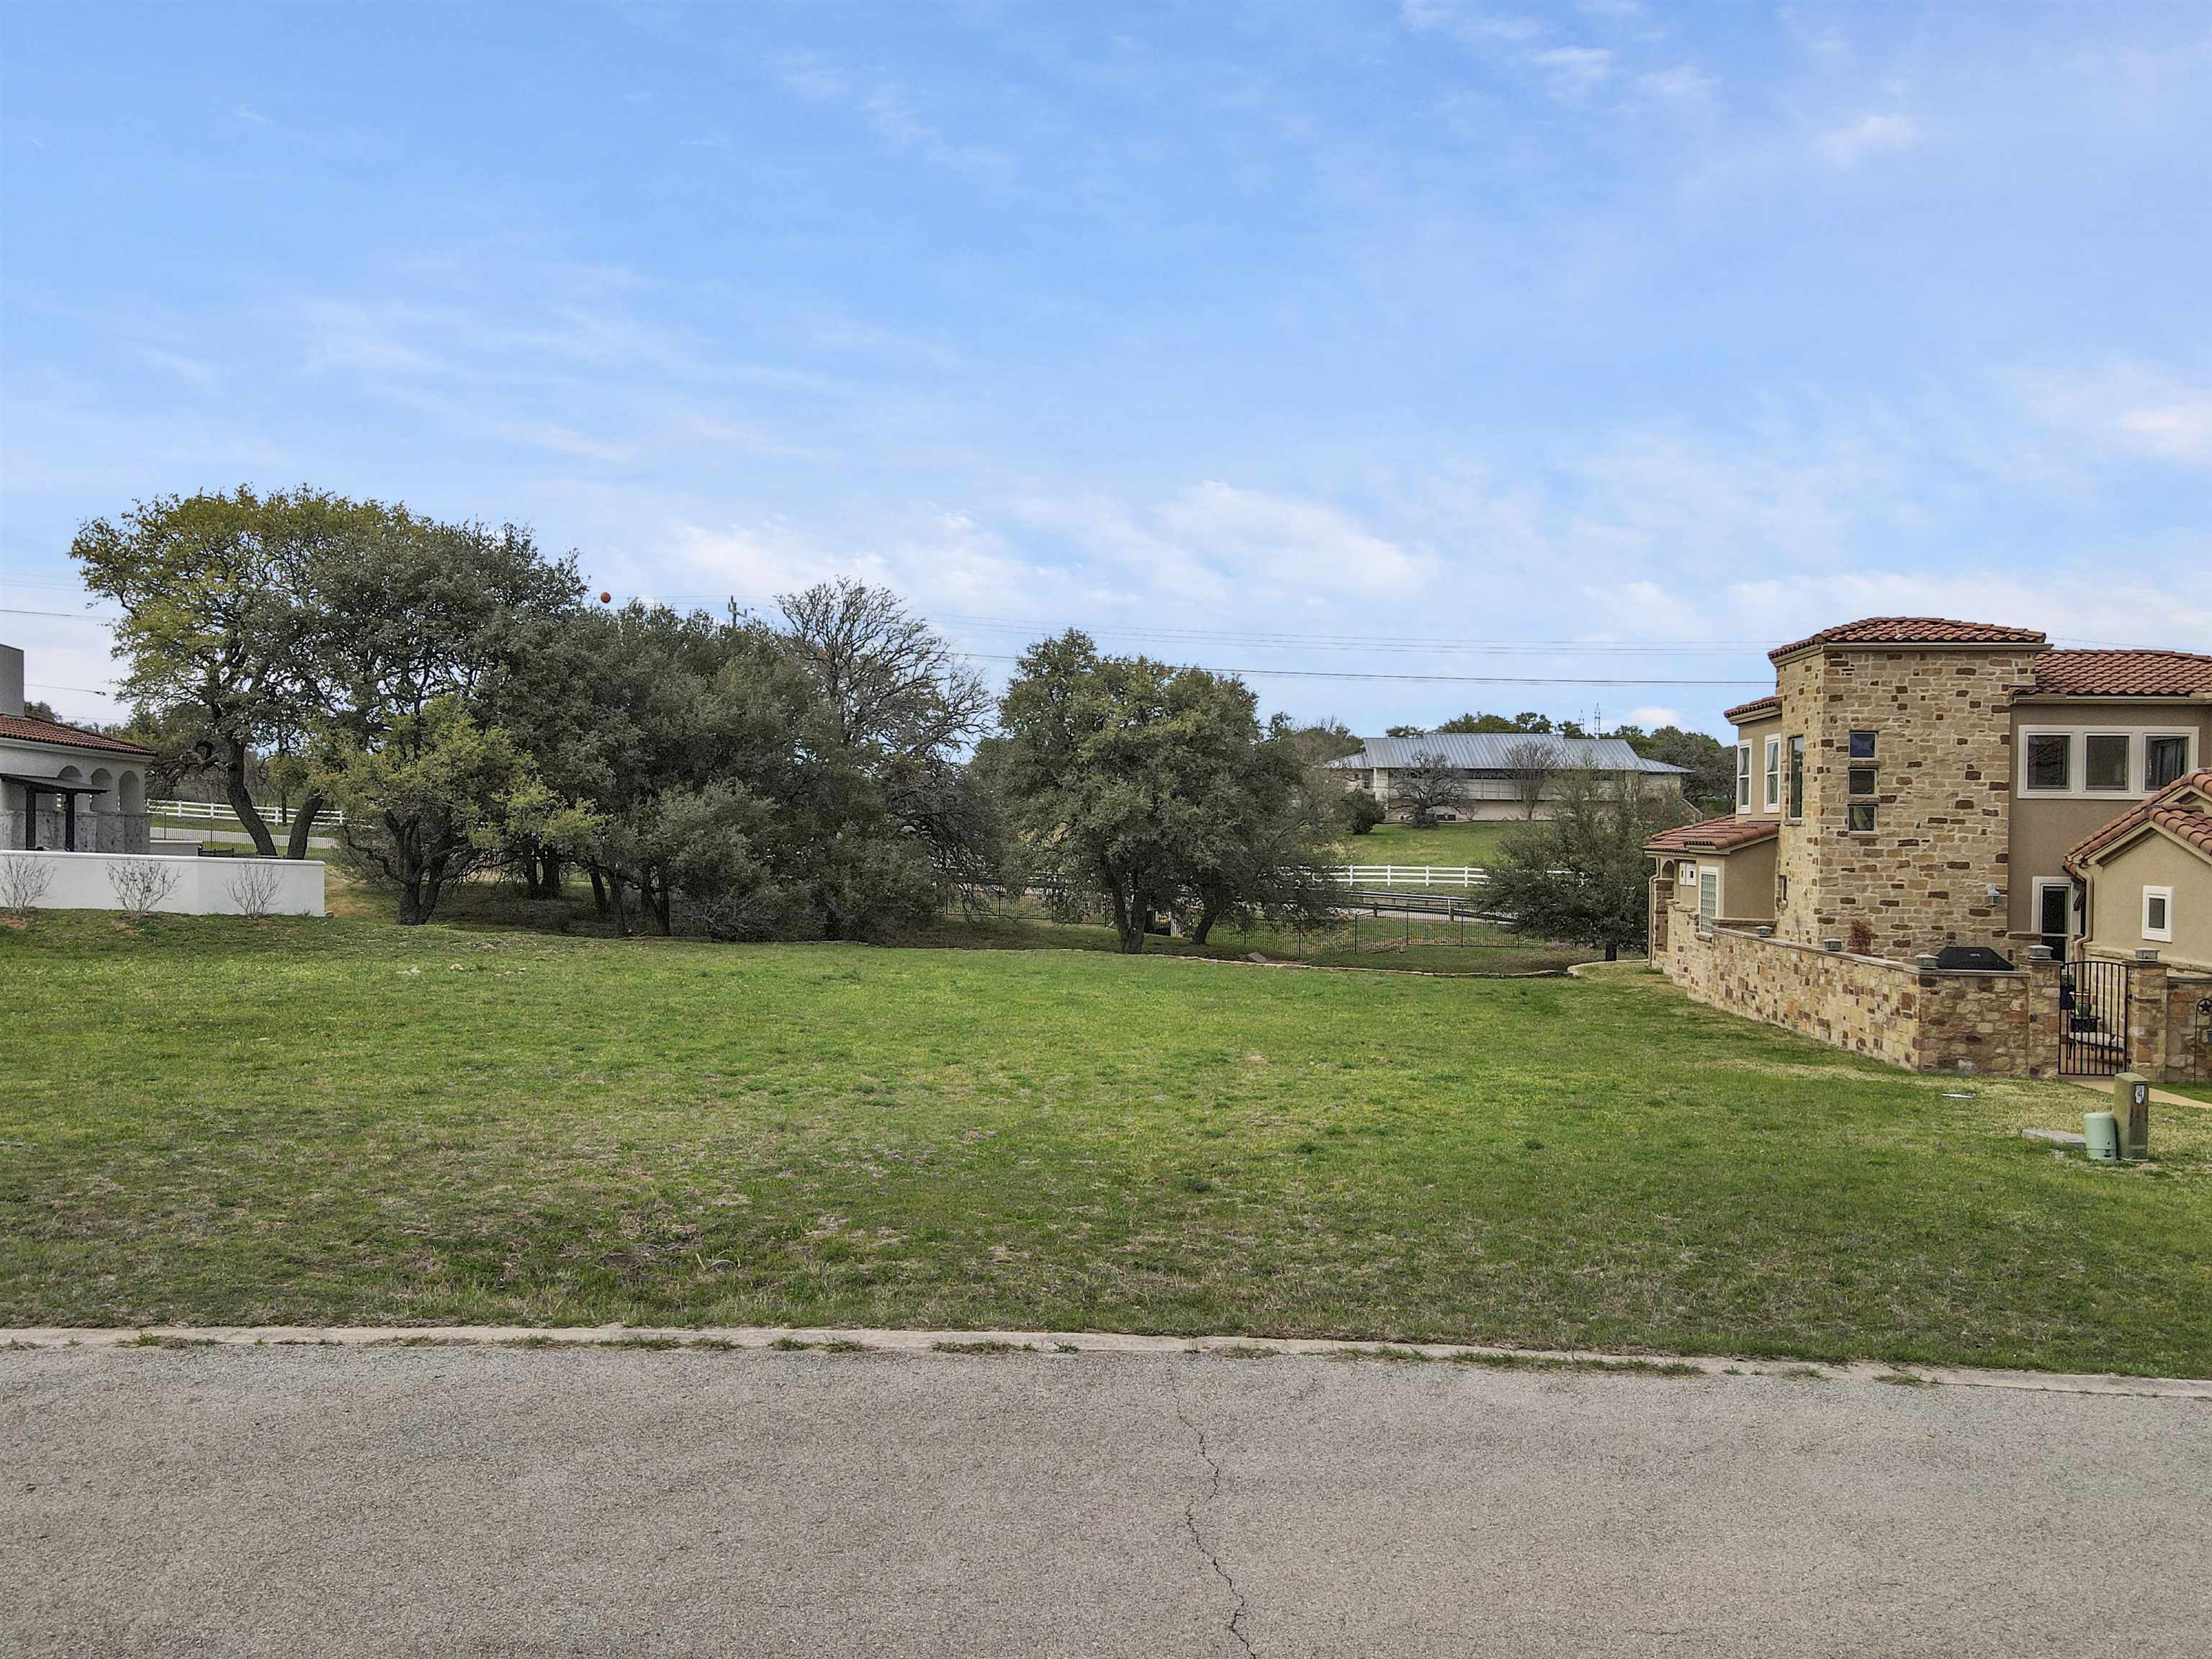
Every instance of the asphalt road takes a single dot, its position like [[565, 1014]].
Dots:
[[501, 1501]]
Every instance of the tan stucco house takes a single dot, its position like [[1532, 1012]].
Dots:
[[2146, 878], [1501, 775], [1917, 789]]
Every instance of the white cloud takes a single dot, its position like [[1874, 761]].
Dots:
[[1278, 541], [1574, 72], [1681, 84], [1650, 719], [1872, 133], [2103, 608], [253, 117], [547, 434], [888, 109], [185, 369], [1473, 24], [2127, 406], [2176, 431]]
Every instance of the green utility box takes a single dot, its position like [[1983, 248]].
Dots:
[[2131, 1110], [2101, 1131]]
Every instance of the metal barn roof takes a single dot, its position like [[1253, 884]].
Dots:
[[1492, 752]]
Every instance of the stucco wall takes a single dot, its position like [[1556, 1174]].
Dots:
[[2045, 828], [122, 779], [1746, 883], [1755, 734], [2115, 920], [200, 887]]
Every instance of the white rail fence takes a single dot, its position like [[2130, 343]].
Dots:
[[1465, 877], [218, 812]]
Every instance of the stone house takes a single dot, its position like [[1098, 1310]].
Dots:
[[1917, 788], [1500, 775]]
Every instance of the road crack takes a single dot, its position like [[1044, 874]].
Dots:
[[1198, 1538]]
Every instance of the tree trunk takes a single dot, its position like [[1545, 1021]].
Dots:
[[1128, 928], [311, 808], [413, 910], [1206, 917], [235, 760], [549, 866], [622, 904], [1612, 953], [656, 892], [598, 891]]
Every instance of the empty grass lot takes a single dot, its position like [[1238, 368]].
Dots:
[[212, 1121], [1453, 844]]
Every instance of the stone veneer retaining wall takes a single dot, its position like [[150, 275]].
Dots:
[[2187, 1033], [2004, 1024]]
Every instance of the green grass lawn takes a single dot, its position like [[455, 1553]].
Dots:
[[208, 1119], [1439, 843]]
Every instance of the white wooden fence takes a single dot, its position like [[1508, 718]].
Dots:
[[218, 812], [1465, 877]]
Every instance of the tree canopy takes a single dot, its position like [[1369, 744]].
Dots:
[[1580, 876], [1155, 789]]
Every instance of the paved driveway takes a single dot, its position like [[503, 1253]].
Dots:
[[499, 1501]]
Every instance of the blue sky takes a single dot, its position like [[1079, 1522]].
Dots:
[[1418, 338]]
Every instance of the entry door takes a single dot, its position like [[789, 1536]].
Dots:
[[2054, 915]]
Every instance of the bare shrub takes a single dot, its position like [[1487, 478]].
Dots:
[[23, 883], [141, 884], [253, 889]]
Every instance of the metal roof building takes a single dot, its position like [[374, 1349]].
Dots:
[[1492, 752]]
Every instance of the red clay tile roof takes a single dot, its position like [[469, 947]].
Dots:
[[2121, 674], [23, 728], [1744, 711], [1723, 835], [2195, 829], [1913, 630], [2170, 810]]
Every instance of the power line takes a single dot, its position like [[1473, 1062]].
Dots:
[[1446, 680]]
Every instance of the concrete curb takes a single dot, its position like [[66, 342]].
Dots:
[[959, 1344]]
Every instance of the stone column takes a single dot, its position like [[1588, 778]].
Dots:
[[2041, 1059], [2147, 1020]]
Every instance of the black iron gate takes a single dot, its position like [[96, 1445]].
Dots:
[[2093, 1018]]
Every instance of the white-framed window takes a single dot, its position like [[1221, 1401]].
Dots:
[[1743, 777], [2102, 762], [2158, 914], [1774, 774]]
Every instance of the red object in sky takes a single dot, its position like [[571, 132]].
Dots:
[[605, 598]]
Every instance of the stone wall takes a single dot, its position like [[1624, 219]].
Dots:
[[2000, 1024], [2188, 1028], [1943, 772]]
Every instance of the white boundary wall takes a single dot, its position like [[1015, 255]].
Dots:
[[200, 887]]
